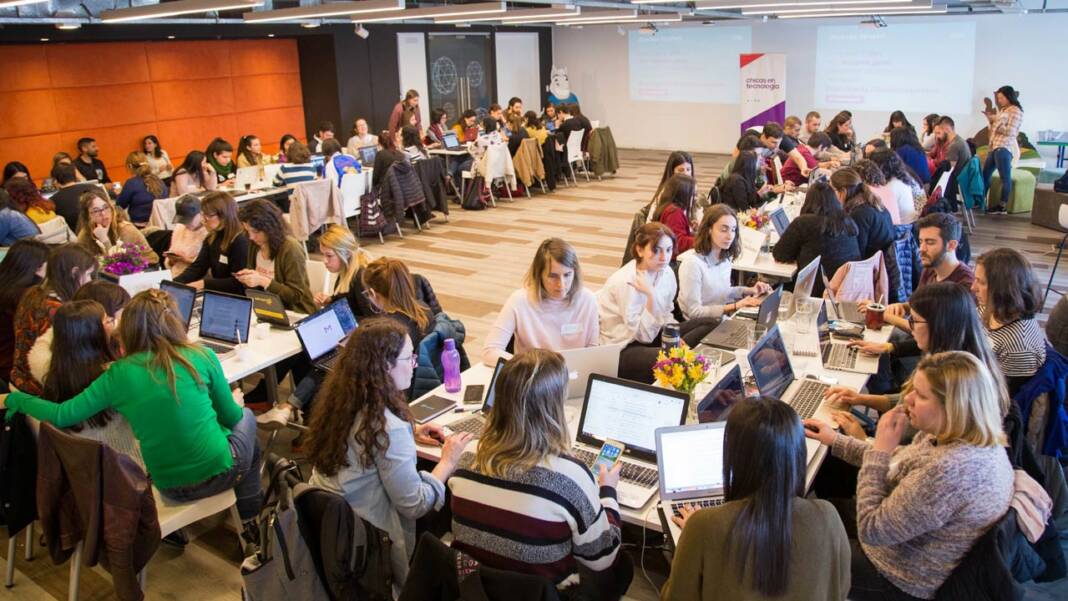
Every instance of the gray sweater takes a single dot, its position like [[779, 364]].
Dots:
[[921, 508]]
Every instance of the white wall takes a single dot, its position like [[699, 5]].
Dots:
[[1018, 50], [517, 68], [411, 58]]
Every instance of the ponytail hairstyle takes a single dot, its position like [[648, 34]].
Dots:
[[137, 163], [244, 149], [857, 193], [150, 324], [1011, 95], [339, 239], [392, 284]]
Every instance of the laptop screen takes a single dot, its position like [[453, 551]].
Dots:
[[806, 279], [629, 412], [367, 155], [344, 314], [780, 220], [450, 140], [184, 296], [771, 365], [488, 403], [719, 401], [692, 459], [823, 326], [225, 317], [769, 309], [320, 333]]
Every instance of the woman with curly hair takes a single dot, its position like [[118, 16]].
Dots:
[[362, 443], [27, 198], [102, 227], [275, 260]]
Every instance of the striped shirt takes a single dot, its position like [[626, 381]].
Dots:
[[291, 173], [544, 521], [1005, 129], [1020, 347]]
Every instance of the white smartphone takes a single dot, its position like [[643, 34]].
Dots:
[[611, 453]]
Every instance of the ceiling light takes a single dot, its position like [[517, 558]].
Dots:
[[531, 15], [831, 9], [918, 11], [170, 37], [270, 35], [362, 32], [44, 39], [725, 5], [606, 17], [310, 24], [170, 9], [69, 26], [431, 12], [10, 3], [601, 15], [332, 9]]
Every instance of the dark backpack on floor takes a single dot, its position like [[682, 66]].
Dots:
[[476, 196], [1061, 185]]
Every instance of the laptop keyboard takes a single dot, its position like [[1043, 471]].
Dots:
[[808, 398], [697, 504], [331, 361], [631, 472], [472, 425], [218, 348], [842, 355]]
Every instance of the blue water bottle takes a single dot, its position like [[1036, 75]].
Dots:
[[450, 362]]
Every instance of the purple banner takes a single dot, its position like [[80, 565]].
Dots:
[[776, 113]]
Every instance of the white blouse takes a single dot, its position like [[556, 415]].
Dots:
[[621, 308], [705, 285]]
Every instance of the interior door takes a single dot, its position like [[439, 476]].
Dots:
[[460, 72]]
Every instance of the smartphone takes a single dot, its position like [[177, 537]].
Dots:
[[473, 394], [611, 453]]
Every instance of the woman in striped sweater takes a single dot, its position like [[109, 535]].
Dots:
[[1009, 298], [523, 503], [921, 506]]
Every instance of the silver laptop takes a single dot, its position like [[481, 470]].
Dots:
[[628, 412], [184, 296], [322, 333], [582, 362], [774, 377], [690, 460], [839, 355], [780, 219], [842, 310], [450, 141], [803, 284], [734, 333], [474, 423], [224, 322]]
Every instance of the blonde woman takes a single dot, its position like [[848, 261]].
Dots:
[[101, 227], [523, 503], [553, 310], [141, 190], [921, 506], [343, 257]]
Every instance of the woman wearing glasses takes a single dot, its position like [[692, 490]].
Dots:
[[224, 251], [362, 444]]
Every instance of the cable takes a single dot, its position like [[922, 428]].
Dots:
[[641, 556]]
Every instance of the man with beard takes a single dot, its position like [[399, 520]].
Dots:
[[87, 164]]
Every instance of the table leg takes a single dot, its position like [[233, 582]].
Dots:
[[270, 378]]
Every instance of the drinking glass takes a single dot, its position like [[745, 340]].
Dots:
[[804, 315]]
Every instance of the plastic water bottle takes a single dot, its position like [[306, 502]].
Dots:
[[669, 337], [450, 362]]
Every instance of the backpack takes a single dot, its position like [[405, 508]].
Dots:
[[372, 221], [476, 197], [1061, 185]]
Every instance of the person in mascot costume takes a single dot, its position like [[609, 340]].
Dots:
[[560, 87]]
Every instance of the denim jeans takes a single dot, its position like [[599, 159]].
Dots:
[[307, 388], [1001, 159], [243, 476]]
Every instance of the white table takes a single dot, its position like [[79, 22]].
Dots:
[[763, 263], [261, 354], [445, 154], [647, 516], [256, 194]]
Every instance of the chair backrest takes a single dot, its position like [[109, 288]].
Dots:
[[318, 277], [574, 145], [55, 231], [497, 160], [352, 188], [1062, 216], [777, 168]]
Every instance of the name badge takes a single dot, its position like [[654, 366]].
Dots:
[[570, 329], [225, 260]]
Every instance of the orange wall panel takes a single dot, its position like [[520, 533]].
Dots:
[[26, 113], [276, 90], [186, 93], [31, 72]]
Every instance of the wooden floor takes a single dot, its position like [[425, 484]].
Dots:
[[474, 262]]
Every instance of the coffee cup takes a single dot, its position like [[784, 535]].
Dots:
[[873, 316], [262, 330]]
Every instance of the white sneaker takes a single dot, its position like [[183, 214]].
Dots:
[[277, 417]]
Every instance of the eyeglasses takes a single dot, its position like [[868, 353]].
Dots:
[[100, 211], [412, 359], [913, 321]]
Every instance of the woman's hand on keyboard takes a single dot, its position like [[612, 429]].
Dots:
[[686, 510], [429, 434], [870, 348], [609, 478], [820, 431], [850, 424], [842, 396]]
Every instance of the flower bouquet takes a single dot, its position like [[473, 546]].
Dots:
[[124, 259], [755, 219], [681, 368]]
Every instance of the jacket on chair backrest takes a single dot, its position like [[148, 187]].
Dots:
[[429, 374], [400, 189]]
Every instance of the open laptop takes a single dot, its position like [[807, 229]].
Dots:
[[248, 177], [843, 310], [450, 141], [719, 401], [839, 355], [629, 412], [135, 283], [474, 423], [733, 334], [184, 296], [224, 322], [367, 155], [774, 377], [321, 333], [690, 460], [803, 284], [582, 362], [269, 308], [781, 220]]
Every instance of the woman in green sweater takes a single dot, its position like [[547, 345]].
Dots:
[[196, 440], [766, 540], [276, 262]]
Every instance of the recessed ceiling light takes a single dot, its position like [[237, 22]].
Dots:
[[44, 39], [68, 26], [270, 35], [170, 37]]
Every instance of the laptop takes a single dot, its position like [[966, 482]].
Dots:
[[839, 355], [451, 142], [367, 155], [842, 310], [690, 460], [248, 177], [322, 333], [719, 401], [184, 296], [474, 423], [781, 220], [734, 333], [269, 308], [224, 322], [806, 280], [629, 412], [582, 362], [775, 378]]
